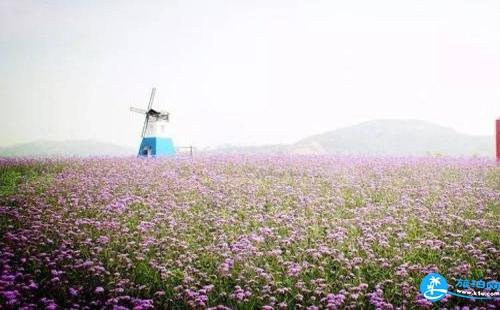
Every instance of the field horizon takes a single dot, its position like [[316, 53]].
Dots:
[[377, 137]]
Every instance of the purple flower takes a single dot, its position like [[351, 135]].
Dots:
[[244, 231], [10, 295], [73, 292], [99, 290], [103, 239]]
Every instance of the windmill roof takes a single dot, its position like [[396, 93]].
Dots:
[[153, 112]]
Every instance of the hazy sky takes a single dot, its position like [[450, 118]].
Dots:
[[244, 72]]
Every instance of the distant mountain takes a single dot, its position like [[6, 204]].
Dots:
[[80, 148], [396, 137], [384, 137], [377, 137]]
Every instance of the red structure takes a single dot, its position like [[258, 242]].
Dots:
[[498, 140]]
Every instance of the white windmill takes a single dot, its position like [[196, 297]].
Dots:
[[154, 140]]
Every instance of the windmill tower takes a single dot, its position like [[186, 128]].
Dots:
[[154, 140]]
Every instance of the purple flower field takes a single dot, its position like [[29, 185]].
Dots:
[[230, 232]]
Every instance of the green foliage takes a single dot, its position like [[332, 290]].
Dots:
[[9, 179]]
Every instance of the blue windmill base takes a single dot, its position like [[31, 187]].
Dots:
[[156, 146]]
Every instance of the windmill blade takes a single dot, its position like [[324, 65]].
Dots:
[[137, 110], [152, 98], [146, 120]]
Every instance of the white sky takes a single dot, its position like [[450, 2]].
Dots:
[[244, 72]]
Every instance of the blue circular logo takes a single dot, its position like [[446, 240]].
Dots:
[[434, 287]]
